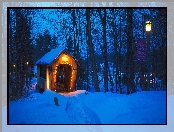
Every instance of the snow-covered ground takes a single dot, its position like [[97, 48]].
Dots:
[[91, 108], [35, 109]]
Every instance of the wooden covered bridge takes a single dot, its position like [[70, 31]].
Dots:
[[57, 71]]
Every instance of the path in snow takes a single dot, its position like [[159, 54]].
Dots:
[[79, 113]]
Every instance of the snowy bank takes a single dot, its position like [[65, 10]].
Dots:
[[90, 108]]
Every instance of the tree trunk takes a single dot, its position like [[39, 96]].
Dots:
[[91, 50], [130, 56], [105, 53], [104, 50], [116, 54], [119, 63], [74, 26]]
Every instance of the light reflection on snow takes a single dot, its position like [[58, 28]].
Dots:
[[75, 93]]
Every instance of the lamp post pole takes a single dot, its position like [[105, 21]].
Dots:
[[148, 61], [148, 29]]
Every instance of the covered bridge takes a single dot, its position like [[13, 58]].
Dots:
[[57, 71]]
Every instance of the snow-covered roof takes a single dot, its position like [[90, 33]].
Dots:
[[49, 57]]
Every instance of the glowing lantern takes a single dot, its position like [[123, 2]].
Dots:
[[65, 59], [148, 26]]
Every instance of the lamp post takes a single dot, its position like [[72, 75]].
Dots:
[[148, 29]]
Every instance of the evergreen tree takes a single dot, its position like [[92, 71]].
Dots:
[[54, 42], [70, 44], [11, 56], [23, 55], [43, 45]]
